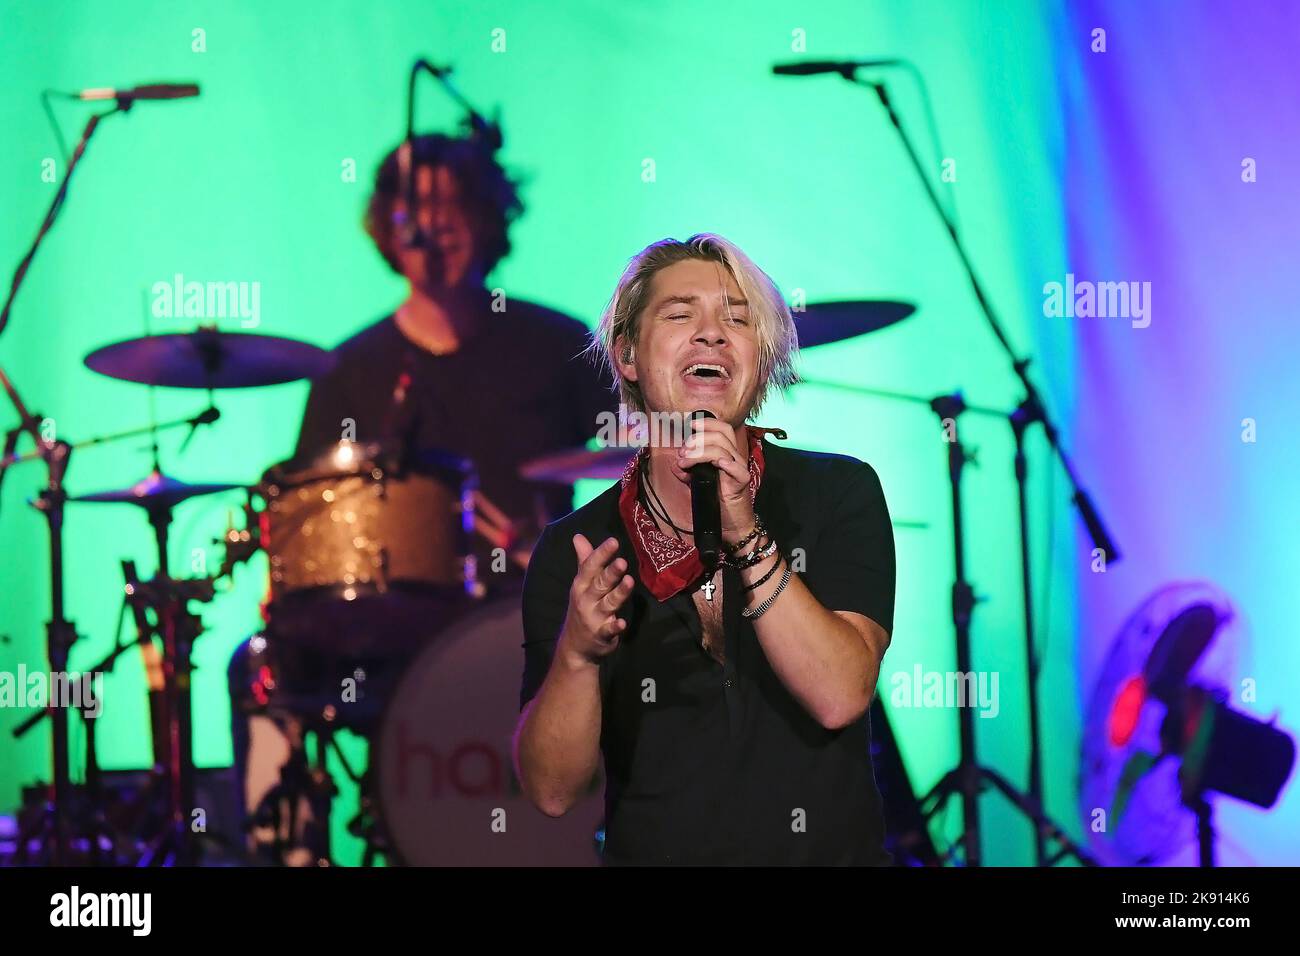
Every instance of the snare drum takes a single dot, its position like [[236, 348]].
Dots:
[[447, 791], [351, 524], [365, 553]]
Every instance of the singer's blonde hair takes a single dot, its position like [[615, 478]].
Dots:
[[778, 344]]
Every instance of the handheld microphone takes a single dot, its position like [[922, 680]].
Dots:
[[146, 91], [706, 513]]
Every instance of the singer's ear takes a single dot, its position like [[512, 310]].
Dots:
[[625, 355]]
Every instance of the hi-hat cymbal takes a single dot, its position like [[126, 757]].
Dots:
[[822, 323], [574, 464], [207, 358], [157, 491]]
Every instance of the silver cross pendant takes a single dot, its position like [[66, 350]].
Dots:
[[707, 587]]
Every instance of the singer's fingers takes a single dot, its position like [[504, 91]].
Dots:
[[717, 450], [702, 447], [595, 561], [581, 547], [734, 469], [612, 601], [712, 426], [610, 630], [610, 575]]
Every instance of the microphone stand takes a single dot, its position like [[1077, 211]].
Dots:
[[205, 417], [480, 128], [966, 778], [60, 632]]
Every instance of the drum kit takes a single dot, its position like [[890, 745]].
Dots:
[[377, 622], [369, 551]]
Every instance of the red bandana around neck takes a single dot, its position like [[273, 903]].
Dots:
[[667, 564]]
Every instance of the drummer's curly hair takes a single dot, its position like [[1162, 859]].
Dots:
[[490, 196], [620, 324]]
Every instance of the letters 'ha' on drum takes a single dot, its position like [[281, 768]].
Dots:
[[363, 550], [447, 791]]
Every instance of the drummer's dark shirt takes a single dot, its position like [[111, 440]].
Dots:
[[516, 388], [709, 763]]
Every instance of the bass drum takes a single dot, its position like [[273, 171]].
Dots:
[[447, 790]]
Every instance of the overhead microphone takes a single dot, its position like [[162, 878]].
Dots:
[[845, 68], [205, 417], [706, 513], [145, 91]]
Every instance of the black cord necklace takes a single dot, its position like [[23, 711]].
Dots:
[[661, 513]]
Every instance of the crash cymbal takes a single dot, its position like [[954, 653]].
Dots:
[[156, 491], [207, 358], [574, 464], [824, 322]]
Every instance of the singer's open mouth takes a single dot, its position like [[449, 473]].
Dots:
[[707, 370]]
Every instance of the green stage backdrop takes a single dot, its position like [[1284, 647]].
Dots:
[[630, 122]]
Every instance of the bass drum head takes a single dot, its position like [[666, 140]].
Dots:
[[446, 783]]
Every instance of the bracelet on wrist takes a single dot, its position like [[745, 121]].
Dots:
[[738, 559], [758, 530], [756, 556], [780, 560], [755, 613]]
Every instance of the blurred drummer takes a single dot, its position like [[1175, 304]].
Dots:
[[492, 377], [458, 367]]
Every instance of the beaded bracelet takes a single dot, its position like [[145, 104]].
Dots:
[[758, 529], [780, 559], [756, 556], [755, 613]]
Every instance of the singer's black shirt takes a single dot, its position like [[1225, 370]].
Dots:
[[515, 389], [709, 763]]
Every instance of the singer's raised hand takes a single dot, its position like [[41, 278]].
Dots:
[[600, 586]]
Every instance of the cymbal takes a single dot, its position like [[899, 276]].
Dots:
[[574, 464], [822, 323], [156, 491], [207, 358]]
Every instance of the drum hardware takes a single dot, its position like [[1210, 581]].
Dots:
[[61, 633], [206, 353], [207, 358], [290, 794], [499, 530], [55, 453], [156, 494], [821, 323], [239, 544], [93, 833], [367, 824], [172, 777], [576, 464], [296, 809], [178, 629]]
